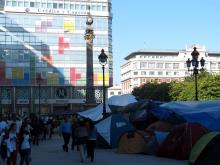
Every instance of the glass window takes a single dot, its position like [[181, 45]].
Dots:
[[37, 4], [9, 3], [32, 4], [20, 4], [104, 8], [219, 65], [151, 65], [49, 5], [26, 4], [135, 65], [55, 5], [135, 73], [168, 73], [77, 7], [98, 7], [60, 6], [159, 65], [176, 73], [160, 73], [71, 6], [168, 65], [213, 65], [83, 7], [44, 5], [66, 6], [151, 73], [14, 3], [143, 72], [119, 93], [94, 7], [111, 93], [143, 65], [175, 65]]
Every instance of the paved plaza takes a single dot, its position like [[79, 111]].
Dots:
[[50, 152]]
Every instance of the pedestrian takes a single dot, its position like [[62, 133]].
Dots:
[[92, 135], [12, 145], [66, 131], [25, 144], [82, 136]]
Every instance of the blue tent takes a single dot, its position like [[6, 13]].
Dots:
[[110, 130], [206, 113]]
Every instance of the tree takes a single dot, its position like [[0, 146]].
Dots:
[[208, 88], [154, 91]]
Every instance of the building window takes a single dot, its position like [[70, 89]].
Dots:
[[151, 73], [160, 73], [176, 73], [111, 93], [55, 5], [143, 73], [151, 65], [219, 65], [168, 73], [135, 73], [143, 65], [168, 65], [135, 65], [119, 93], [213, 65], [175, 65], [159, 65], [32, 4]]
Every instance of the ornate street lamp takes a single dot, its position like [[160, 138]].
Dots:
[[89, 36], [195, 64], [103, 61]]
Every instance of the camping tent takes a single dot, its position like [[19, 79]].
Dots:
[[206, 150], [110, 130], [196, 112], [135, 142], [179, 142], [94, 114]]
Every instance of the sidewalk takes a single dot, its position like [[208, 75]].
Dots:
[[50, 152]]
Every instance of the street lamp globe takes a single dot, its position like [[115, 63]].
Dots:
[[103, 58]]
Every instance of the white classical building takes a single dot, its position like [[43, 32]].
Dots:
[[163, 66], [114, 90]]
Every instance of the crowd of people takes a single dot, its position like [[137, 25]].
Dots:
[[18, 134], [83, 134]]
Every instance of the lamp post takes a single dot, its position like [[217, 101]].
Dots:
[[103, 61], [195, 64]]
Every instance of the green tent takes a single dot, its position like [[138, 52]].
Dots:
[[203, 147]]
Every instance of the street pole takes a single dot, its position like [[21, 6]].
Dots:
[[103, 91], [196, 86], [39, 94], [89, 36]]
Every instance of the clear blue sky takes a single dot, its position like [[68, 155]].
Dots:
[[163, 24]]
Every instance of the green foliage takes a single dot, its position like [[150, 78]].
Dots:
[[154, 91], [208, 88]]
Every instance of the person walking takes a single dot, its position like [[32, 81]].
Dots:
[[92, 135], [25, 144], [82, 136], [66, 130], [12, 145]]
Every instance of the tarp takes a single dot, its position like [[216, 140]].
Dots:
[[111, 128], [95, 114], [207, 113]]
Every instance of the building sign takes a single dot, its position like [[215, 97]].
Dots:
[[61, 92], [53, 11], [22, 101]]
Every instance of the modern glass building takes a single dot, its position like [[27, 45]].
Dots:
[[43, 53]]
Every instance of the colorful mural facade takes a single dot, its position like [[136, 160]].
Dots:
[[48, 49]]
